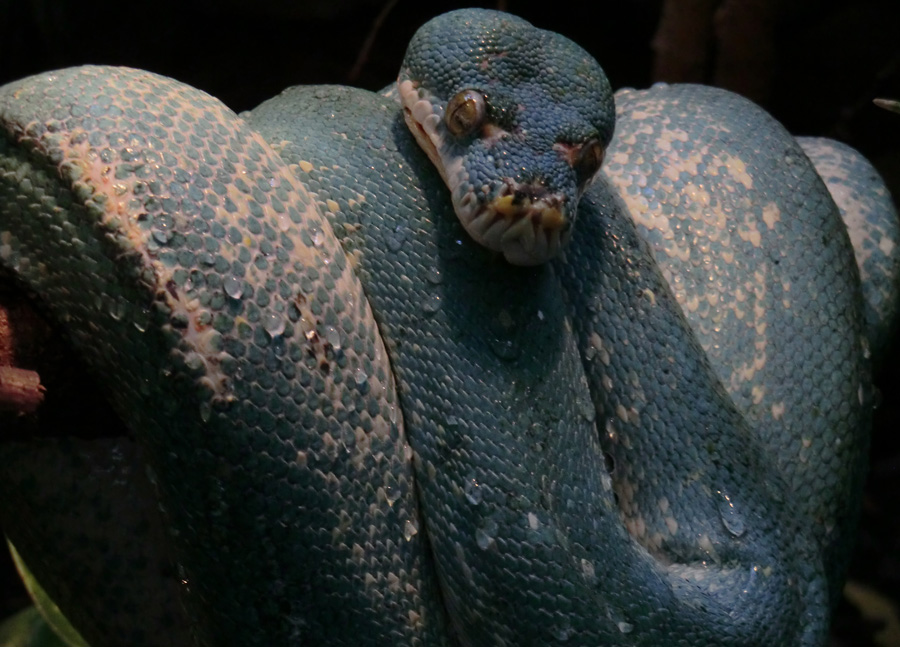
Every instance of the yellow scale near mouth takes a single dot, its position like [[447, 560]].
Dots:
[[551, 217], [504, 206]]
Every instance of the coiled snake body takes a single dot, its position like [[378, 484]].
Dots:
[[657, 436]]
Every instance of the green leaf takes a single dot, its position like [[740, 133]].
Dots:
[[28, 629], [55, 622]]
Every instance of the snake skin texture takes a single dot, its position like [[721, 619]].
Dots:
[[350, 424], [746, 287], [229, 313], [871, 220]]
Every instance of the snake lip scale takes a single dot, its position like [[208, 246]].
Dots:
[[523, 227], [352, 423]]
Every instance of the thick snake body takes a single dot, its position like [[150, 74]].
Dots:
[[660, 434]]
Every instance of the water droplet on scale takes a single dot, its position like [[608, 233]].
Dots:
[[587, 410], [587, 569], [606, 482], [625, 627], [162, 236], [333, 337], [274, 324], [162, 229], [731, 518], [751, 580], [117, 308], [394, 240], [284, 221], [472, 491], [233, 287], [141, 319], [611, 431], [432, 304], [484, 537], [563, 632], [392, 494]]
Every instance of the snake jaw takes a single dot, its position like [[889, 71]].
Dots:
[[526, 222]]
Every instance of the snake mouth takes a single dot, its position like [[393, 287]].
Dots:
[[525, 222]]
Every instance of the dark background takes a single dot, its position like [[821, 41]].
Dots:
[[831, 58]]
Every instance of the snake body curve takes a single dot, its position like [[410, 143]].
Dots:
[[565, 460]]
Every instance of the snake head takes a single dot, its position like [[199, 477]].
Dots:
[[516, 119]]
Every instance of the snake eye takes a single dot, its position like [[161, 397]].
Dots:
[[588, 161], [465, 112]]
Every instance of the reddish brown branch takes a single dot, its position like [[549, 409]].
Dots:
[[20, 329], [20, 390]]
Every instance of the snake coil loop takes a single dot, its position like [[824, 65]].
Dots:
[[376, 355]]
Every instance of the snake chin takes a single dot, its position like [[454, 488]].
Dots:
[[528, 230]]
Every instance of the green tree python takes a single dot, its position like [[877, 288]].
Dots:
[[412, 368]]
